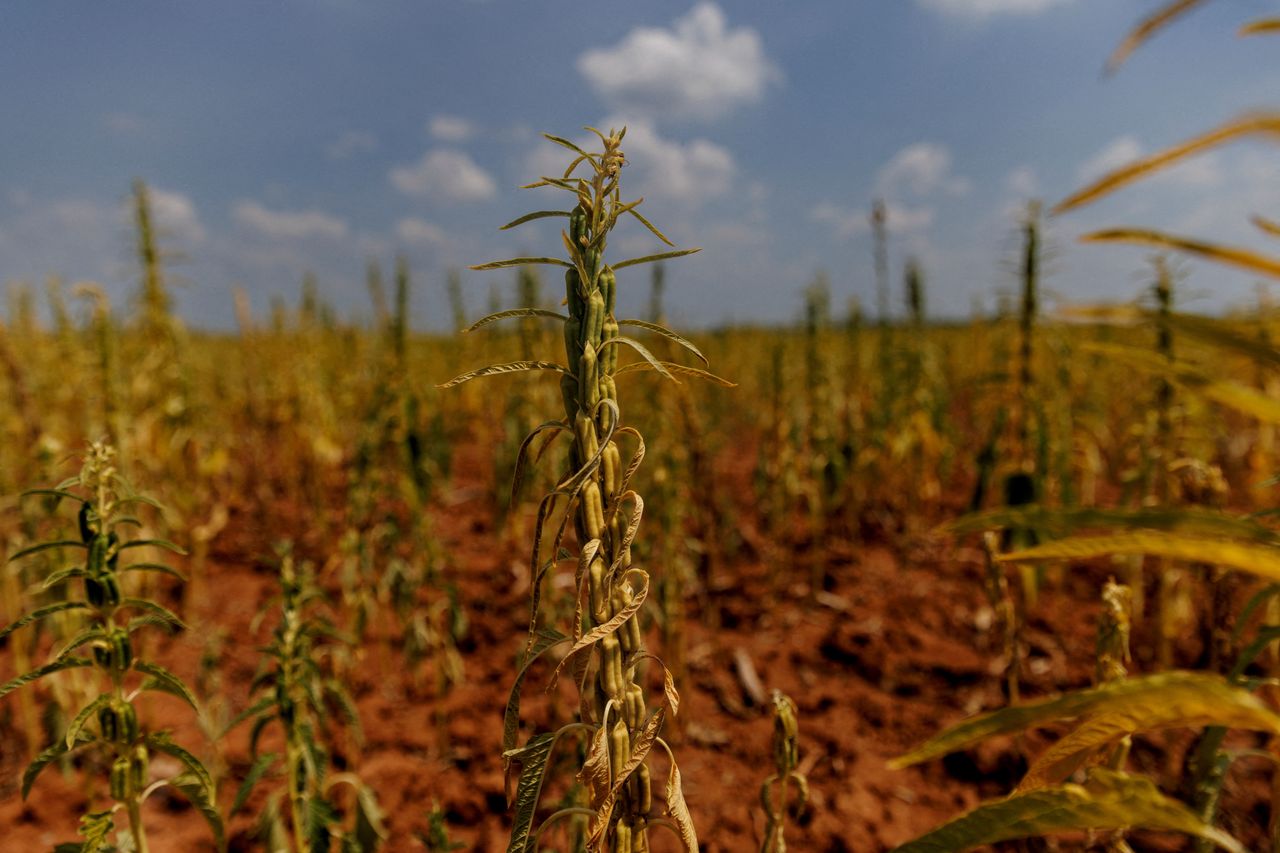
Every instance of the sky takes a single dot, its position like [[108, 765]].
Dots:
[[317, 135]]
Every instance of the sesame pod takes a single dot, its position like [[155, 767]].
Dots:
[[128, 731], [623, 838], [584, 429], [644, 790], [611, 468], [610, 666], [572, 346], [592, 262], [593, 328], [120, 780], [588, 379], [619, 748], [577, 224], [86, 528], [139, 763], [121, 650], [593, 510], [608, 288], [110, 590], [635, 705], [102, 655], [573, 292], [631, 631], [599, 601], [609, 361], [109, 724], [94, 592], [97, 559]]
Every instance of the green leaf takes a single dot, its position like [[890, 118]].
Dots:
[[76, 728], [533, 767], [648, 259], [529, 217], [154, 543], [194, 787], [53, 493], [497, 369], [45, 546], [57, 665], [153, 567], [520, 262], [1063, 522], [644, 353], [678, 370], [252, 711], [1142, 697], [158, 610], [40, 613], [370, 829], [48, 756], [647, 224], [164, 681], [55, 578], [666, 333], [1257, 558], [514, 312], [1107, 801], [161, 742], [542, 640], [257, 770]]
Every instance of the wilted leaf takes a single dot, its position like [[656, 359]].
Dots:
[[1107, 801], [1229, 255], [1259, 559], [497, 369], [1156, 21]]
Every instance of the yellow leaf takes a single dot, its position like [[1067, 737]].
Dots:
[[1257, 558], [1230, 255]]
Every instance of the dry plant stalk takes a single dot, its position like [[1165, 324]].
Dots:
[[606, 514], [786, 729]]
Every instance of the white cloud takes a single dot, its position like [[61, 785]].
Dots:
[[658, 167], [700, 68], [920, 169], [847, 222], [451, 128], [1119, 152], [419, 232], [445, 173], [989, 8], [176, 214], [1022, 182], [351, 143], [295, 225]]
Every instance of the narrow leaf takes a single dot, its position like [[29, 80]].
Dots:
[[533, 768], [542, 640], [1229, 255], [643, 351], [666, 333], [1107, 801], [56, 666], [1149, 26], [498, 369], [48, 756], [45, 546], [520, 262], [647, 224], [648, 259], [164, 681], [514, 312], [194, 786], [1258, 559], [40, 613], [256, 771], [1057, 523], [678, 370], [1263, 26], [529, 217]]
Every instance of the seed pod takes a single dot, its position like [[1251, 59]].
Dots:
[[102, 655], [619, 748], [593, 509], [121, 649], [120, 780], [592, 263], [139, 763], [608, 288], [611, 468], [128, 731], [97, 558], [599, 596], [572, 344], [611, 666], [622, 837], [110, 590], [577, 224], [109, 723], [94, 592], [609, 361], [569, 391], [585, 431], [86, 528], [635, 705], [643, 790], [593, 327]]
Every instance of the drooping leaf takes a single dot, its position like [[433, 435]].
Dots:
[[370, 828], [1255, 558], [256, 771], [498, 369], [154, 567], [1140, 696], [164, 544], [201, 795], [1230, 255], [39, 672], [164, 681], [77, 724], [48, 755], [514, 312], [520, 262], [40, 613], [1248, 125], [529, 217], [45, 546], [163, 743], [1149, 26], [1062, 522], [1263, 26], [157, 610], [1107, 801], [533, 767], [643, 351], [542, 640], [666, 333], [678, 370], [661, 256], [677, 808]]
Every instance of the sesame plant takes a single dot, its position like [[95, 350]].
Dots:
[[107, 622], [294, 694], [606, 650], [774, 792]]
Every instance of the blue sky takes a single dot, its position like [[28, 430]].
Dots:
[[314, 135]]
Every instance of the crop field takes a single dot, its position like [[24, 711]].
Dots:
[[568, 579]]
